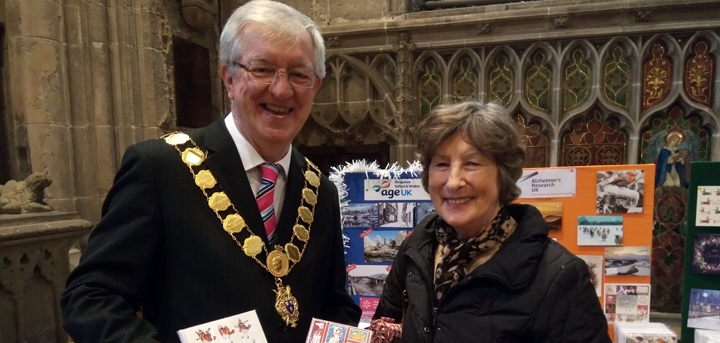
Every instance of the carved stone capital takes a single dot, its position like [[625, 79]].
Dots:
[[561, 22], [404, 43], [333, 41], [483, 29]]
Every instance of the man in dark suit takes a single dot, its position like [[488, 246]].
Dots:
[[224, 219]]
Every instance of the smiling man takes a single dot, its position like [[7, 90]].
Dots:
[[221, 220]]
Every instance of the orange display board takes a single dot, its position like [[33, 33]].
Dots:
[[637, 227]]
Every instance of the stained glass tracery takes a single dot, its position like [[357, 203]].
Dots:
[[576, 85], [430, 87], [700, 73], [537, 146], [537, 83], [616, 76], [464, 81], [594, 141], [501, 80], [657, 71]]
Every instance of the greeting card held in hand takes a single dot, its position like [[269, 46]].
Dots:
[[244, 327], [323, 331]]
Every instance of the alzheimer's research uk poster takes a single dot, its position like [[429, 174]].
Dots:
[[548, 183]]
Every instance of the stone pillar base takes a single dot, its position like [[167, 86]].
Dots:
[[33, 269]]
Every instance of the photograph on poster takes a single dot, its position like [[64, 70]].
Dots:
[[367, 280], [708, 206], [706, 254], [627, 302], [552, 212], [600, 230], [383, 245], [620, 191], [422, 209], [361, 215], [631, 261], [704, 309], [397, 214], [595, 266]]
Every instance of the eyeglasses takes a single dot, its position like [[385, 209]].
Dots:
[[267, 74]]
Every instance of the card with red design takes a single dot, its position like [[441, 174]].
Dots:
[[627, 302], [323, 331], [230, 329]]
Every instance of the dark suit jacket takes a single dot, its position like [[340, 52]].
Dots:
[[160, 247]]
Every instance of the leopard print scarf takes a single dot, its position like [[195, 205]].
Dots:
[[457, 252]]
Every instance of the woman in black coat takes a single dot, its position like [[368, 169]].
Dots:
[[483, 269]]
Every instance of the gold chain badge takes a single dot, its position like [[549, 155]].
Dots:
[[280, 261]]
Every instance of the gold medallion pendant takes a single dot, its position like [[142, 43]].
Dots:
[[277, 263], [286, 305]]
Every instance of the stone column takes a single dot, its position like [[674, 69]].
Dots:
[[84, 79], [405, 101], [37, 95]]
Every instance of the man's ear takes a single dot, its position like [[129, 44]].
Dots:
[[317, 85], [227, 78]]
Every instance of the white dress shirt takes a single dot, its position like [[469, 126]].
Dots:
[[251, 160]]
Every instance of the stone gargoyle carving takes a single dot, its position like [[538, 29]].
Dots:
[[25, 196]]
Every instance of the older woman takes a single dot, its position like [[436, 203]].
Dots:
[[483, 269]]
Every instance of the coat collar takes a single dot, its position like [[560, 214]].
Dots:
[[515, 264], [227, 167]]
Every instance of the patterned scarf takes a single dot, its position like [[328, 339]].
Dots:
[[457, 252]]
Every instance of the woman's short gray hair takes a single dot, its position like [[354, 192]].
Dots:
[[487, 127], [276, 16]]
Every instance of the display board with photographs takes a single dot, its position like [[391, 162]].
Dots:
[[588, 209], [378, 215]]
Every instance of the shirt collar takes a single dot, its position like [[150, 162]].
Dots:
[[248, 155]]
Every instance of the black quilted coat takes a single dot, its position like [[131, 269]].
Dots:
[[531, 290]]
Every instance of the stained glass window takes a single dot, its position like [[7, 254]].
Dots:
[[537, 144], [700, 73], [430, 87], [657, 71], [464, 81], [616, 73], [537, 83], [501, 82], [696, 137], [594, 141], [576, 85]]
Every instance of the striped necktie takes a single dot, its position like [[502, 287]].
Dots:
[[266, 195]]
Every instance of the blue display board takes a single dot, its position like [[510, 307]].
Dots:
[[379, 213]]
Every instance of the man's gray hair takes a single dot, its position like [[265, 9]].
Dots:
[[275, 16], [487, 127]]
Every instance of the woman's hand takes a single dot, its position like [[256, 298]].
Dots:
[[385, 330]]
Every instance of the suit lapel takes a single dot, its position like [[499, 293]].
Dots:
[[293, 193], [225, 163]]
